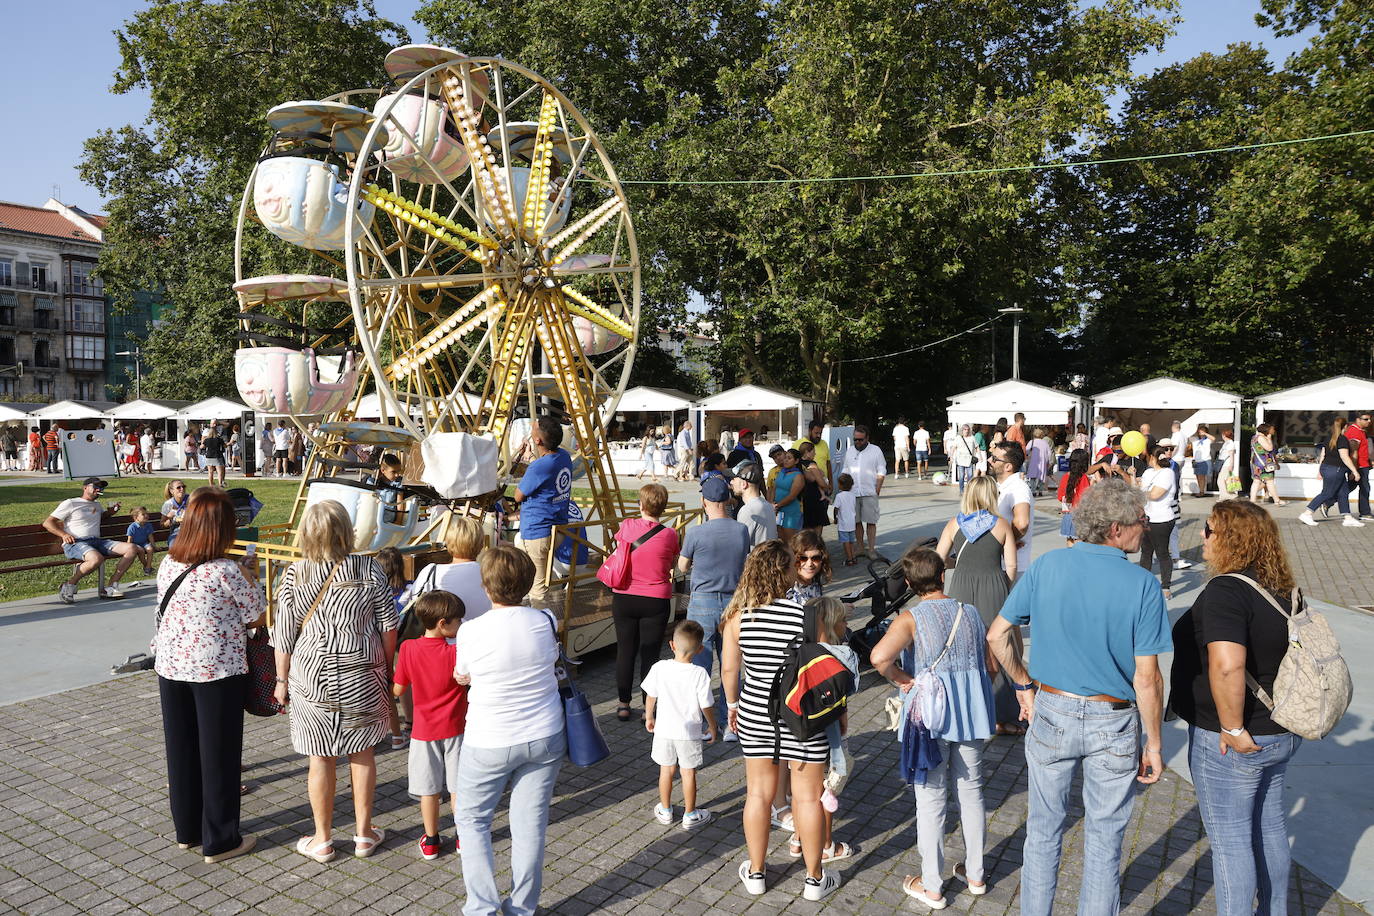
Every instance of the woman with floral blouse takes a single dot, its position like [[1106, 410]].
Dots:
[[206, 604]]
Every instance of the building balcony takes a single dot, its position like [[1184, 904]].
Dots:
[[85, 365], [13, 282], [38, 321], [46, 362], [78, 326]]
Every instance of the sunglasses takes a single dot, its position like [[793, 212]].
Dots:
[[810, 558], [1206, 530]]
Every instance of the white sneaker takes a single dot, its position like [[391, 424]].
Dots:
[[754, 883], [67, 593], [699, 817], [730, 737], [822, 887], [1181, 563], [1352, 522], [663, 815], [113, 591], [1307, 519]]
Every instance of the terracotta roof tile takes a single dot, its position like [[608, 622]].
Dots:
[[39, 221]]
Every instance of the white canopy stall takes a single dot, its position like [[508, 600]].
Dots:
[[1302, 418], [1042, 406], [72, 411], [15, 414], [207, 410], [1160, 401], [159, 413], [652, 407], [753, 407]]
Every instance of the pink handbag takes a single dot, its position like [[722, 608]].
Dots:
[[614, 572]]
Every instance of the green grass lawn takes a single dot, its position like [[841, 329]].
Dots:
[[30, 504]]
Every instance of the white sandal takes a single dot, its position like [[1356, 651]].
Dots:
[[782, 818], [364, 846], [313, 852]]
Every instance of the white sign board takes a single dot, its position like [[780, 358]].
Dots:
[[89, 453]]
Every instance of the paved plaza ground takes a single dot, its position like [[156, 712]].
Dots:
[[85, 827]]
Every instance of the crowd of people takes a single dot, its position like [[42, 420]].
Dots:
[[480, 710]]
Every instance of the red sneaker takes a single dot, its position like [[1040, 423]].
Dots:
[[429, 847]]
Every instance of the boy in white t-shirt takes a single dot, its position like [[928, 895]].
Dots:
[[845, 516], [678, 703]]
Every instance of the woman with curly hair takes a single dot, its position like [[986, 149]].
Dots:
[[1237, 753], [757, 625]]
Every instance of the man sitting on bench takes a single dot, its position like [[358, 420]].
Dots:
[[77, 522]]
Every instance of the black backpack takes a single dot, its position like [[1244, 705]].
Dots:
[[810, 689]]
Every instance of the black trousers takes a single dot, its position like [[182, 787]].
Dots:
[[203, 727], [1363, 486], [639, 627], [1155, 542]]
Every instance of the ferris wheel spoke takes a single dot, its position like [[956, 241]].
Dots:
[[585, 228], [579, 304], [479, 308], [537, 185], [494, 196]]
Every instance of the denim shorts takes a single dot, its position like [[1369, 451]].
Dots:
[[83, 546], [922, 456], [846, 537]]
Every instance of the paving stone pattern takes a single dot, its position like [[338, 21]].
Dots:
[[86, 829]]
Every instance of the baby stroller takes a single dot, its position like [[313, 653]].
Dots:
[[887, 593]]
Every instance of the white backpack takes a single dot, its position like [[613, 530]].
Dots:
[[1312, 688]]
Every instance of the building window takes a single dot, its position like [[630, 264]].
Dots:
[[83, 283], [6, 273], [39, 275], [7, 353], [79, 347], [85, 390], [7, 315], [88, 315], [9, 387], [43, 386], [42, 355]]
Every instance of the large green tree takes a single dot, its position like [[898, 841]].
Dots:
[[795, 278], [212, 69], [1292, 239], [1137, 270]]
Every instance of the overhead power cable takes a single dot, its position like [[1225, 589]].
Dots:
[[926, 346], [1001, 170]]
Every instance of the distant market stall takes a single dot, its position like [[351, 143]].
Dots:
[[640, 409], [1160, 401], [783, 414], [1302, 418], [1042, 406]]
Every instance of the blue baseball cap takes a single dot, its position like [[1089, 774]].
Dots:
[[715, 489]]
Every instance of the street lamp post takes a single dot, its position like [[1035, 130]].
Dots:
[[137, 354], [1015, 312]]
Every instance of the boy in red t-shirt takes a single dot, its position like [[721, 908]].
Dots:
[[425, 666]]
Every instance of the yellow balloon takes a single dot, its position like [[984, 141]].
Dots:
[[1133, 443]]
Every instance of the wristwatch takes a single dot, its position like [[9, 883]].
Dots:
[[1030, 686], [1234, 732]]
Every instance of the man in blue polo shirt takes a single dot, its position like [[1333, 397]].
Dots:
[[544, 495], [1098, 624]]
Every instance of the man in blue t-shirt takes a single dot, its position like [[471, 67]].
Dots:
[[713, 553], [544, 494], [1098, 624]]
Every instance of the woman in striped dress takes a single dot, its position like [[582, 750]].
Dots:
[[757, 625], [333, 666]]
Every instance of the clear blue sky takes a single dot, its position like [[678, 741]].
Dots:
[[61, 58]]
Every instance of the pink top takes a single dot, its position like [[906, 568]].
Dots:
[[651, 563]]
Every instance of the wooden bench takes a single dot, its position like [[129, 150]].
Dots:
[[34, 542]]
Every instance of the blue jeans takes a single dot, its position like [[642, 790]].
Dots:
[[1241, 800], [483, 773], [963, 474], [1335, 489], [1363, 486], [706, 608], [1063, 733]]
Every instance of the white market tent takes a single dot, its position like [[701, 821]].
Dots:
[[1341, 394], [1159, 401], [72, 410], [755, 405], [17, 411], [210, 409], [1042, 406], [145, 409], [657, 400]]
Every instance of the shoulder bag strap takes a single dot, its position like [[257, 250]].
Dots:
[[171, 590], [1260, 693], [329, 580], [643, 538]]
